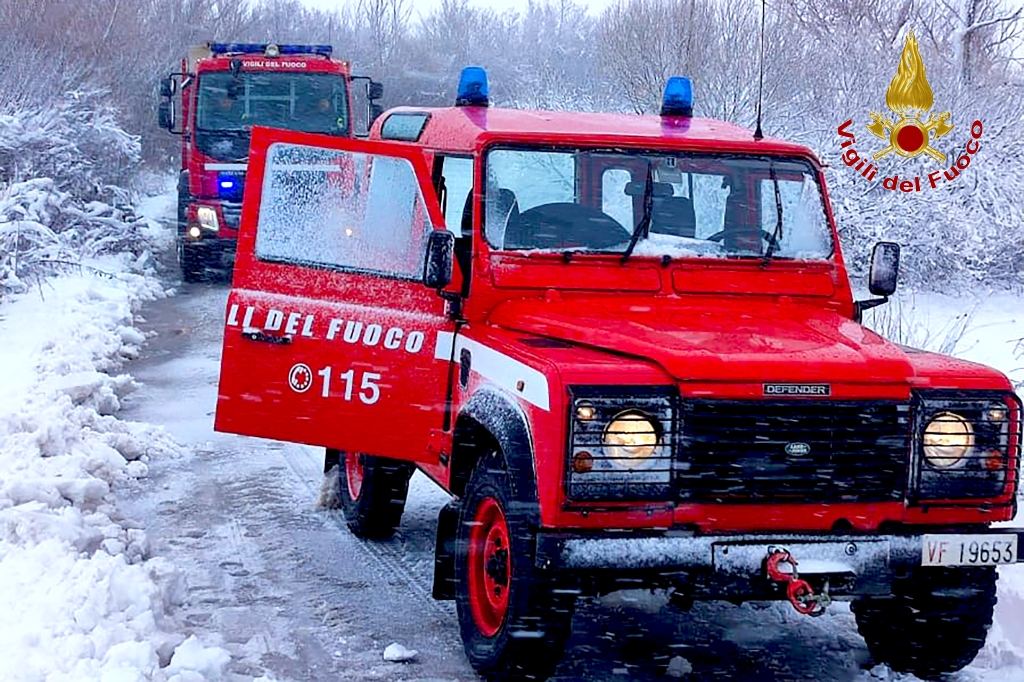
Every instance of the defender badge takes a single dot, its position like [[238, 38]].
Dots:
[[797, 389]]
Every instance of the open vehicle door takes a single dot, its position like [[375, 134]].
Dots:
[[330, 333]]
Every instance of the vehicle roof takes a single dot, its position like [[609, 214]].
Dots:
[[466, 129]]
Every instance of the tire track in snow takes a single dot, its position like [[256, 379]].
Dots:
[[384, 553]]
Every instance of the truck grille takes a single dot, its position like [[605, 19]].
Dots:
[[793, 451], [232, 214]]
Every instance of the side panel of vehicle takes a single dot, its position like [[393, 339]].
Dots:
[[330, 337]]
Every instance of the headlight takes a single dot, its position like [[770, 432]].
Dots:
[[967, 445], [621, 442], [631, 438], [948, 438], [207, 218]]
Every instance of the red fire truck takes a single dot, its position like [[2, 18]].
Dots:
[[221, 92], [629, 349]]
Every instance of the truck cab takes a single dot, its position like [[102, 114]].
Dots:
[[213, 102], [628, 348]]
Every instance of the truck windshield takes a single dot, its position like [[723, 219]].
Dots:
[[684, 205], [308, 102]]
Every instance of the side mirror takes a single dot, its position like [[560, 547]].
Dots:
[[374, 111], [166, 115], [374, 90], [167, 87], [885, 268], [437, 269]]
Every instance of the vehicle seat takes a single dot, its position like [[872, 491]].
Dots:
[[674, 216], [502, 213]]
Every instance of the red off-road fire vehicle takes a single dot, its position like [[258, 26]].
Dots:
[[627, 346], [221, 92]]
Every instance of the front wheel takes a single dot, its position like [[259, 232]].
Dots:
[[513, 620], [372, 492], [191, 261], [935, 622]]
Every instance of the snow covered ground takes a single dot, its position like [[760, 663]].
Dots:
[[236, 575], [81, 597]]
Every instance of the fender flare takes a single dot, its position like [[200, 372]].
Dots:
[[504, 419]]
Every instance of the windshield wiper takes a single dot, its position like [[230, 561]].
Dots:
[[644, 227], [773, 243]]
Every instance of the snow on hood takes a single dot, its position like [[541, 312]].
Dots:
[[769, 342]]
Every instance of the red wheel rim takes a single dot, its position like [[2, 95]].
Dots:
[[490, 567], [354, 474]]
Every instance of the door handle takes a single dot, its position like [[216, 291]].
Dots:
[[263, 337]]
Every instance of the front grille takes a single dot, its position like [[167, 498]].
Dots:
[[793, 451], [232, 214]]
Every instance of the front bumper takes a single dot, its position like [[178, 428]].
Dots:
[[734, 565]]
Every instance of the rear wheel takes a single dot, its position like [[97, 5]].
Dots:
[[935, 622], [513, 620], [372, 492]]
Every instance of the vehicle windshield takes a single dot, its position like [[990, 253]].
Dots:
[[308, 102], [684, 205]]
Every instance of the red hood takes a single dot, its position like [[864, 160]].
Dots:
[[784, 343]]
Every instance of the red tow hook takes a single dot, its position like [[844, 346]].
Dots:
[[799, 592]]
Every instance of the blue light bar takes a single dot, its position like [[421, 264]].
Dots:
[[678, 100], [260, 48], [322, 50], [473, 90]]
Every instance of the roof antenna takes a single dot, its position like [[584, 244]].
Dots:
[[758, 135]]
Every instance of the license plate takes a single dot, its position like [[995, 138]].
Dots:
[[968, 550]]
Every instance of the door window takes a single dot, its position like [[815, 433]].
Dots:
[[457, 172], [340, 209]]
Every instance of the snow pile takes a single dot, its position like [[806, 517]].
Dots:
[[79, 597], [396, 653]]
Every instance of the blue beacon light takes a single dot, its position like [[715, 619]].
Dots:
[[678, 100], [473, 90]]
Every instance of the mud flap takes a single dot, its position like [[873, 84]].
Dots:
[[444, 552]]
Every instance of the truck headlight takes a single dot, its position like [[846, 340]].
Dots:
[[631, 438], [621, 442], [207, 218], [948, 438], [968, 443]]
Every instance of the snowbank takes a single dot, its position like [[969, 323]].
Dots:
[[79, 596]]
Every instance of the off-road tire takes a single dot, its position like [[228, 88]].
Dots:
[[373, 506], [529, 640], [935, 622]]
